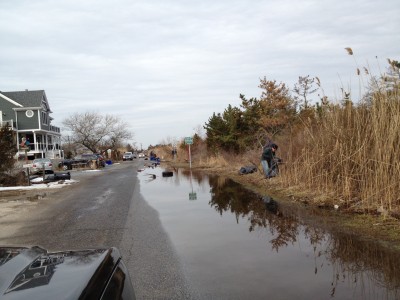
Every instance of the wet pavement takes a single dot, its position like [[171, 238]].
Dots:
[[105, 209], [235, 244]]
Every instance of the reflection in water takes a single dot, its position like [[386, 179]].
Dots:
[[7, 254], [361, 263], [240, 245], [195, 176], [352, 260], [44, 265], [36, 274]]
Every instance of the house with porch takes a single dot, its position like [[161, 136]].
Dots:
[[28, 114]]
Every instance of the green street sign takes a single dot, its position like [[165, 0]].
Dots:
[[192, 196], [189, 140]]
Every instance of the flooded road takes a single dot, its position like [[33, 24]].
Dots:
[[235, 244]]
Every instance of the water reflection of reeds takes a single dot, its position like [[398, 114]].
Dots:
[[362, 263], [364, 260], [196, 176]]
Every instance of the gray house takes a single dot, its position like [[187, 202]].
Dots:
[[28, 114]]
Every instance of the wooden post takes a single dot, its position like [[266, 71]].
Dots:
[[29, 180], [190, 158]]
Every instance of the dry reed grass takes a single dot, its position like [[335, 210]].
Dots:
[[353, 152], [225, 161]]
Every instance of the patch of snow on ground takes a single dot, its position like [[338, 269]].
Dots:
[[50, 185]]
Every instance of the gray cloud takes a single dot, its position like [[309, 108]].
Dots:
[[166, 66]]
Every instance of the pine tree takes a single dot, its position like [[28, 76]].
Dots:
[[7, 148], [216, 129], [277, 107]]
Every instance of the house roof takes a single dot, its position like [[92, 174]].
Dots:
[[28, 98]]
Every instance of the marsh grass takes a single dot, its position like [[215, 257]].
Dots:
[[218, 161], [353, 152]]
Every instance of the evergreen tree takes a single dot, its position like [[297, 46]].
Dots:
[[231, 139], [278, 109], [216, 129], [251, 115], [7, 149]]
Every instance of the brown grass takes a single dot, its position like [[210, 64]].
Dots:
[[353, 153]]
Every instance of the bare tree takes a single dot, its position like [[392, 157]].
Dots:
[[97, 132], [303, 88]]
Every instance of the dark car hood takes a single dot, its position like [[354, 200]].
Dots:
[[34, 273]]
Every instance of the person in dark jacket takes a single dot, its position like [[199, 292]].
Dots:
[[267, 161]]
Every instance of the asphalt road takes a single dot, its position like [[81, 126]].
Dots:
[[103, 209]]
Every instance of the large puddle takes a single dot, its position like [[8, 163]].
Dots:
[[235, 244]]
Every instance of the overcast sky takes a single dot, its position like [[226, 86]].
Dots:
[[164, 66]]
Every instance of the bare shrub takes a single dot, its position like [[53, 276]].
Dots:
[[13, 179]]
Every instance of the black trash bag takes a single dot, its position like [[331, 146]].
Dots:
[[58, 176], [247, 170], [62, 176]]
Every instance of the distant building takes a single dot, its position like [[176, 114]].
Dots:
[[28, 114]]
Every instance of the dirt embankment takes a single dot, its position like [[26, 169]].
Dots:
[[377, 226]]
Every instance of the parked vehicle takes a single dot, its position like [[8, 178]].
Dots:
[[40, 164], [35, 273], [127, 156], [99, 160], [66, 164], [82, 160], [86, 157], [69, 164]]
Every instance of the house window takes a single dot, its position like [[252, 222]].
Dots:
[[44, 105], [45, 119]]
